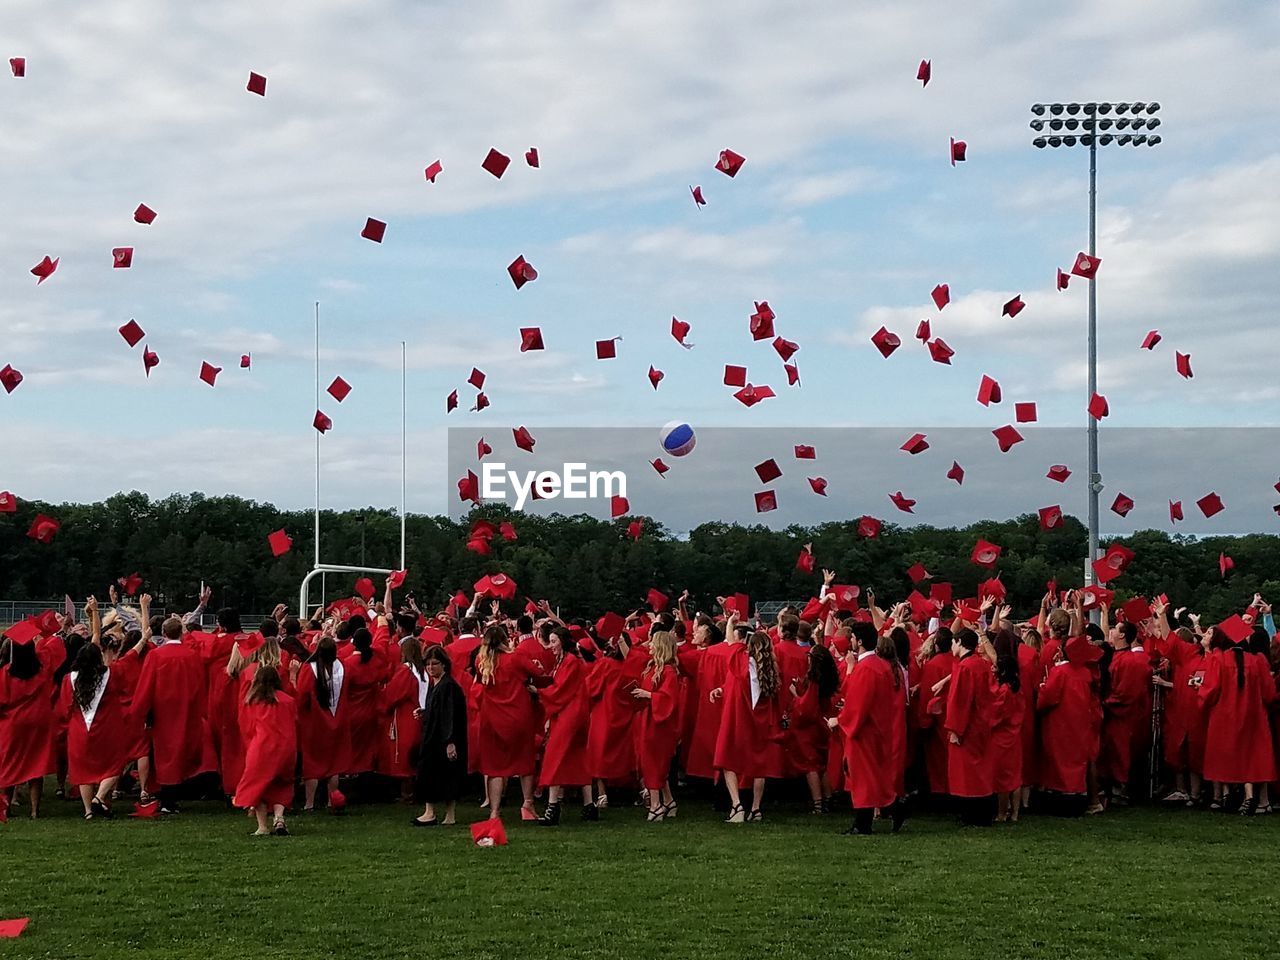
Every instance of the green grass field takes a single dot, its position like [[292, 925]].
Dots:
[[1134, 883]]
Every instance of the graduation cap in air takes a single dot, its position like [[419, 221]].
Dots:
[[374, 230], [132, 333], [257, 84], [1007, 436], [988, 391], [469, 488], [680, 330], [1151, 339], [8, 502], [1098, 407], [149, 359], [958, 150], [1013, 307], [521, 272], [122, 258], [209, 373], [768, 471], [496, 585], [655, 376], [1210, 505], [1059, 472], [793, 373], [619, 506], [43, 270], [805, 560], [923, 331], [1112, 563], [916, 443], [658, 600], [1024, 412], [941, 295], [869, 527], [1063, 279], [766, 500], [924, 72], [18, 66], [451, 402], [1093, 597], [1183, 363], [818, 485], [10, 378], [607, 349], [531, 156], [144, 214], [496, 163], [482, 401], [322, 422], [750, 395], [1086, 266], [786, 348], [917, 572], [1122, 504], [940, 352], [246, 361], [530, 339], [482, 448], [339, 389], [885, 342], [735, 376], [985, 554], [697, 196], [43, 529], [902, 502], [524, 439], [956, 472], [805, 452], [659, 465], [730, 162], [280, 543], [634, 529], [433, 170], [1175, 511], [761, 324], [1050, 517]]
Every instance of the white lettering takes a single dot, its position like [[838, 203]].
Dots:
[[492, 481], [575, 481], [615, 484]]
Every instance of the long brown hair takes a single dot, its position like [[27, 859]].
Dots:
[[265, 685], [491, 648], [662, 653], [760, 650]]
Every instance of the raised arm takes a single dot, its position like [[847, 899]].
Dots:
[[95, 621], [145, 603], [205, 596]]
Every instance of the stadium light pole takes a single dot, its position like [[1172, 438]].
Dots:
[[1095, 123]]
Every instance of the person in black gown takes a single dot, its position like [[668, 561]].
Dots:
[[442, 756]]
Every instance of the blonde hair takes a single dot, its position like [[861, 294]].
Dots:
[[491, 648], [760, 649], [662, 652]]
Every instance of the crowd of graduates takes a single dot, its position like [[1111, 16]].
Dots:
[[951, 700]]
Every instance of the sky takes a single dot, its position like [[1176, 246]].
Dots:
[[845, 215]]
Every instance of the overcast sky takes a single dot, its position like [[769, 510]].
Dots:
[[844, 217]]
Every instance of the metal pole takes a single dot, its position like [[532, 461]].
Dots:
[[404, 419], [1095, 478], [317, 516]]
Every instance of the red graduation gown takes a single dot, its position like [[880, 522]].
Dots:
[[659, 727], [1030, 675], [220, 702], [507, 734], [324, 738], [970, 714], [868, 720], [704, 727], [1126, 724], [933, 724], [27, 720], [269, 732], [811, 735], [610, 738], [1066, 708], [1238, 748], [172, 692], [460, 652], [750, 739], [1182, 729], [400, 733], [793, 664], [1006, 739], [567, 705], [361, 690], [98, 742], [126, 670]]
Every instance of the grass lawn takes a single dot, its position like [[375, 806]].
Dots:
[[1134, 883]]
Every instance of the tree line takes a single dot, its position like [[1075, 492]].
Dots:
[[582, 564]]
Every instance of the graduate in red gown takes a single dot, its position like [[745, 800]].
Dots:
[[461, 652], [269, 732], [929, 708], [658, 694], [567, 705], [793, 663], [875, 705], [610, 740], [366, 670], [749, 746], [324, 737], [812, 705], [1067, 705], [26, 711], [1182, 731], [970, 716], [171, 692], [1009, 711], [507, 734], [221, 693], [403, 697], [1126, 724], [1030, 675], [1237, 692], [698, 749]]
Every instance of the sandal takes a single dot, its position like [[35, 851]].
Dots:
[[100, 809], [736, 814], [819, 807], [603, 801], [755, 816], [669, 810], [279, 829], [656, 816]]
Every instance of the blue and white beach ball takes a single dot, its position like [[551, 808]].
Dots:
[[677, 438]]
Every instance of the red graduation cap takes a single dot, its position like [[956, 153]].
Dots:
[[132, 333], [482, 529], [940, 593], [209, 373], [489, 833], [1024, 412], [750, 395], [10, 378], [482, 448], [917, 572], [1136, 610], [610, 626], [655, 376], [697, 196], [8, 502], [818, 485], [1013, 307], [18, 66], [496, 163], [257, 84], [499, 585], [1210, 505], [988, 391], [479, 545], [804, 561], [680, 330], [1093, 597], [761, 325], [1098, 407], [469, 488], [902, 502], [985, 554], [1050, 517], [735, 376], [246, 361], [476, 379], [1122, 505], [768, 471], [793, 374], [24, 631], [248, 645], [845, 596], [1151, 339], [531, 156], [1225, 565], [339, 389], [924, 72], [1063, 279], [460, 601], [634, 529], [1235, 628], [144, 214], [521, 272], [956, 472], [659, 465], [764, 311], [122, 257], [786, 348], [451, 402], [869, 527], [766, 500], [397, 578], [433, 170], [923, 331], [657, 600], [916, 443], [1113, 563], [131, 583], [374, 230], [1059, 472], [1007, 436], [482, 401], [922, 608], [322, 422], [43, 270], [1183, 363], [607, 349], [619, 507], [524, 439], [530, 339], [730, 163], [941, 295], [805, 452], [813, 610], [364, 589], [43, 529], [885, 342], [280, 543], [146, 811], [13, 928], [1086, 266], [738, 603], [993, 588], [940, 352], [958, 148], [1175, 511], [149, 359]]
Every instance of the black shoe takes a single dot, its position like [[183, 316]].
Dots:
[[279, 829], [550, 816], [590, 812], [433, 822], [899, 815], [100, 809], [169, 808]]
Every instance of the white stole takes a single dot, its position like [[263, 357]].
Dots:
[[335, 683], [91, 710], [754, 676]]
